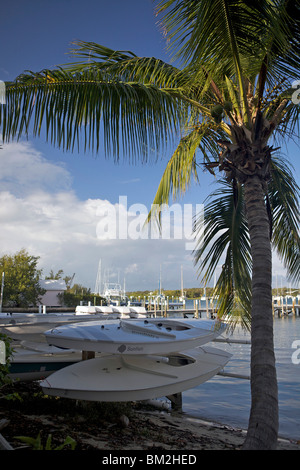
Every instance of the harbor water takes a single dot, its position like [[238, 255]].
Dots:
[[227, 400]]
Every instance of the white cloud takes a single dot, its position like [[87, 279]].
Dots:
[[39, 211], [23, 170]]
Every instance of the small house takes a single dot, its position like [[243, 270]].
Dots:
[[53, 287]]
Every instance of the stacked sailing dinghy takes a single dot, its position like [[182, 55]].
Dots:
[[140, 359]]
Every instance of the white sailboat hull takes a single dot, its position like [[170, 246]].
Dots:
[[105, 312], [134, 337], [138, 312], [130, 378], [39, 361], [31, 327]]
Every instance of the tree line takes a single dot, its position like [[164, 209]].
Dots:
[[22, 288], [197, 292], [22, 285]]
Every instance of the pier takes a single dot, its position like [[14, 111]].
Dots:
[[281, 306], [186, 313], [286, 305], [166, 308]]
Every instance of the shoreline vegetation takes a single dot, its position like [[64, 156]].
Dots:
[[26, 415], [197, 292], [70, 300]]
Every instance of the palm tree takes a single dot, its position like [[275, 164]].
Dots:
[[227, 100]]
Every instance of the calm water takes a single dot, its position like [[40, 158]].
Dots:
[[227, 400]]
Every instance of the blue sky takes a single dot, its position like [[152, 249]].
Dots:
[[39, 34], [50, 198]]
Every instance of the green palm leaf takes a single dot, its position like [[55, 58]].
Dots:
[[225, 241], [284, 201], [135, 116], [182, 166]]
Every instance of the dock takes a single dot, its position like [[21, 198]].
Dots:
[[185, 313], [166, 309], [280, 309], [286, 305]]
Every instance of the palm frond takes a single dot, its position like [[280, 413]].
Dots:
[[253, 42], [126, 66], [219, 35], [284, 201], [225, 241], [182, 166], [210, 29], [139, 118], [282, 41]]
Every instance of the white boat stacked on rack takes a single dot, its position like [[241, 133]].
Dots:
[[108, 312], [31, 326], [129, 311], [138, 360], [121, 310], [136, 377], [151, 336], [138, 312], [85, 310], [36, 361], [102, 311]]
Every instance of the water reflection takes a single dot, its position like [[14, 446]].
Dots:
[[228, 400]]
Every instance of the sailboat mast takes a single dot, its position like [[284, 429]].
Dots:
[[181, 282]]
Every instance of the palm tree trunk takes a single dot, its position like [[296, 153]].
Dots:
[[263, 422]]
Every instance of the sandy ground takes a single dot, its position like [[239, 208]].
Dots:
[[201, 435], [145, 430], [26, 412]]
